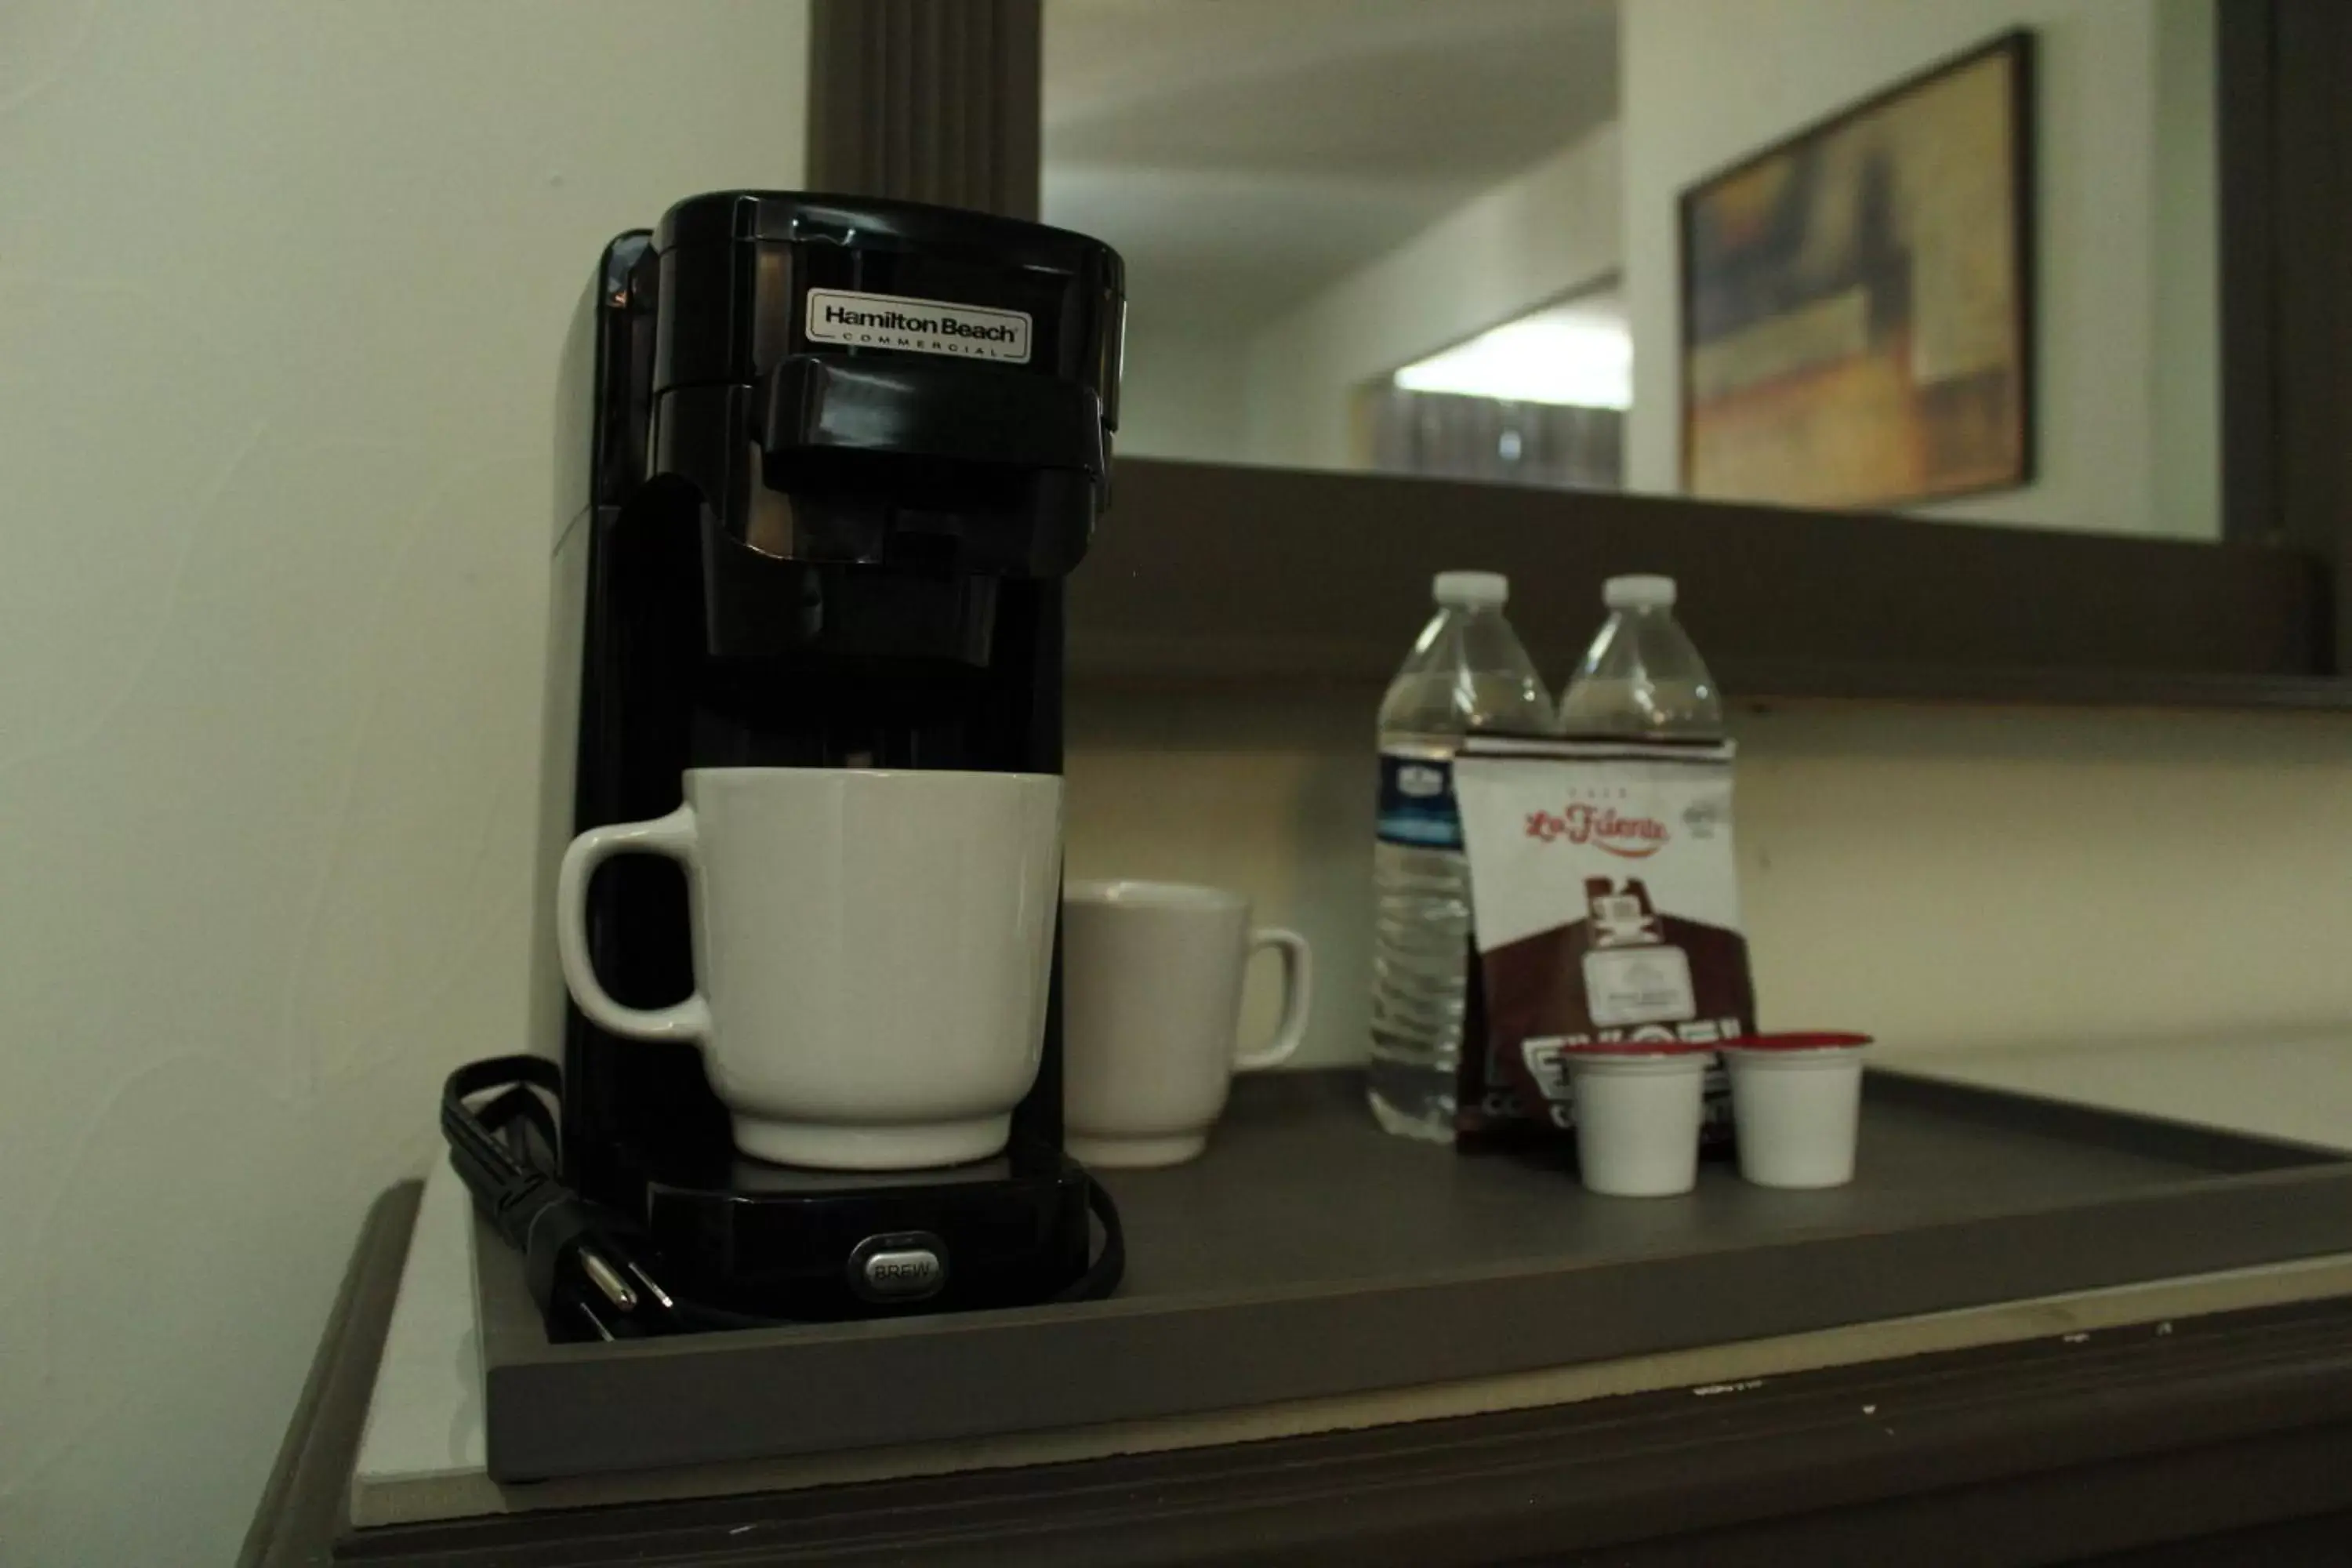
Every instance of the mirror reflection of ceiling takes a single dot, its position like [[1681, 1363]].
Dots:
[[1243, 154]]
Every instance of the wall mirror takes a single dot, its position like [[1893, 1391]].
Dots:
[[1974, 350], [1742, 251]]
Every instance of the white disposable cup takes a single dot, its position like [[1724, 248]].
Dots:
[[1796, 1114], [1637, 1118]]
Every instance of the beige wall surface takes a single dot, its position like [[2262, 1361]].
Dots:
[[281, 290], [1947, 879], [1182, 394]]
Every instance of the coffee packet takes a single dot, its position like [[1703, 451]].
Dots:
[[1604, 903]]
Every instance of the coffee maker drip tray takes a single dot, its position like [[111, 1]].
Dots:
[[758, 1179], [808, 1246]]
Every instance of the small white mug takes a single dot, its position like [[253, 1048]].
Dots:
[[872, 950], [1151, 992]]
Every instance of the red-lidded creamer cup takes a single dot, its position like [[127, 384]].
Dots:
[[1637, 1116], [1796, 1107]]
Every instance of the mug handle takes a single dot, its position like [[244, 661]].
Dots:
[[673, 836], [1297, 995]]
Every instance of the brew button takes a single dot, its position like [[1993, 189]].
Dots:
[[900, 1273]]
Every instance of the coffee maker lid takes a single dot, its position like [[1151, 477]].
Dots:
[[753, 278], [717, 217]]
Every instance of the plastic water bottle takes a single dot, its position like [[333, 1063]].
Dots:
[[1642, 676], [1467, 672]]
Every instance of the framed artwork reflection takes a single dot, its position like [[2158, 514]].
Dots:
[[1857, 309]]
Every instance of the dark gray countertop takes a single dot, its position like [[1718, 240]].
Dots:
[[1308, 1255], [2232, 1435], [1301, 1191]]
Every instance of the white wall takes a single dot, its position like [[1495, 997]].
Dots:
[[1181, 396], [1549, 231], [2185, 415], [1705, 82], [1943, 878], [281, 290]]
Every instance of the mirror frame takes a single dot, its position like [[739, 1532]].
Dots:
[[1216, 573]]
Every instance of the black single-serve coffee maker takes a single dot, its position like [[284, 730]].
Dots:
[[823, 463]]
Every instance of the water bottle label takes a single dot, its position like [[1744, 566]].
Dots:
[[1417, 808]]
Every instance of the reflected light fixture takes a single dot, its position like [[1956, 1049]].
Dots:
[[1578, 353]]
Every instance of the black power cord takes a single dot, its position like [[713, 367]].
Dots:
[[592, 1266], [588, 1267]]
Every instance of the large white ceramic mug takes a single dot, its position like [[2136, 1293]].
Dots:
[[1152, 997], [872, 952]]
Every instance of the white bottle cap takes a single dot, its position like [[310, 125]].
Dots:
[[1638, 593], [1471, 590]]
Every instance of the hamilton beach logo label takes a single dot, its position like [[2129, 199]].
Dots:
[[920, 326], [1604, 828]]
